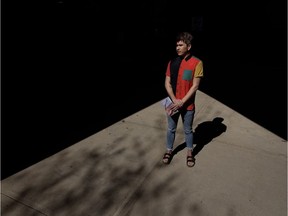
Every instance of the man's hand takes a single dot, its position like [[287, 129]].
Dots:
[[179, 103]]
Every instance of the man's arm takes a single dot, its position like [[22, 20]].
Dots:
[[190, 93], [193, 89], [169, 89]]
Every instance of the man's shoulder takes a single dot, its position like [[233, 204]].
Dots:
[[194, 58], [176, 60]]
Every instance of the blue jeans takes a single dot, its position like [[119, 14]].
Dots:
[[187, 119]]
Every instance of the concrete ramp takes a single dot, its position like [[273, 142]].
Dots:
[[241, 170]]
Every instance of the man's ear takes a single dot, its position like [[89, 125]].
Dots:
[[189, 47]]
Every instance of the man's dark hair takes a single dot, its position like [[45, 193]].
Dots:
[[186, 37]]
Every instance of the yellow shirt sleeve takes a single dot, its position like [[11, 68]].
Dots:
[[199, 70]]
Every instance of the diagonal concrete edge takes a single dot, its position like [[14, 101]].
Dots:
[[241, 169]]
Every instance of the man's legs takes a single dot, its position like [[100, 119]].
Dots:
[[171, 130], [188, 118]]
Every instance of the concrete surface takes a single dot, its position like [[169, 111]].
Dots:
[[241, 170]]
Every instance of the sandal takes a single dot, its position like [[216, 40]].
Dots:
[[167, 158], [190, 161]]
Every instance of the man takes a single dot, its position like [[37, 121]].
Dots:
[[183, 75]]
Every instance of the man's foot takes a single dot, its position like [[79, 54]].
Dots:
[[167, 158], [190, 161]]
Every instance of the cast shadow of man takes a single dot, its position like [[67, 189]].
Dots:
[[204, 133]]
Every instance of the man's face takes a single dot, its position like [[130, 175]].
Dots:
[[182, 48]]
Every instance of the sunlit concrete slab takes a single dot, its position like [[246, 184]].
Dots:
[[241, 169]]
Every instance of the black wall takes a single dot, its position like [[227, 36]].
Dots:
[[66, 64]]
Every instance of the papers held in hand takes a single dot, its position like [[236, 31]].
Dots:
[[167, 104]]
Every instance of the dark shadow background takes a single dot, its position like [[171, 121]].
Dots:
[[72, 68]]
